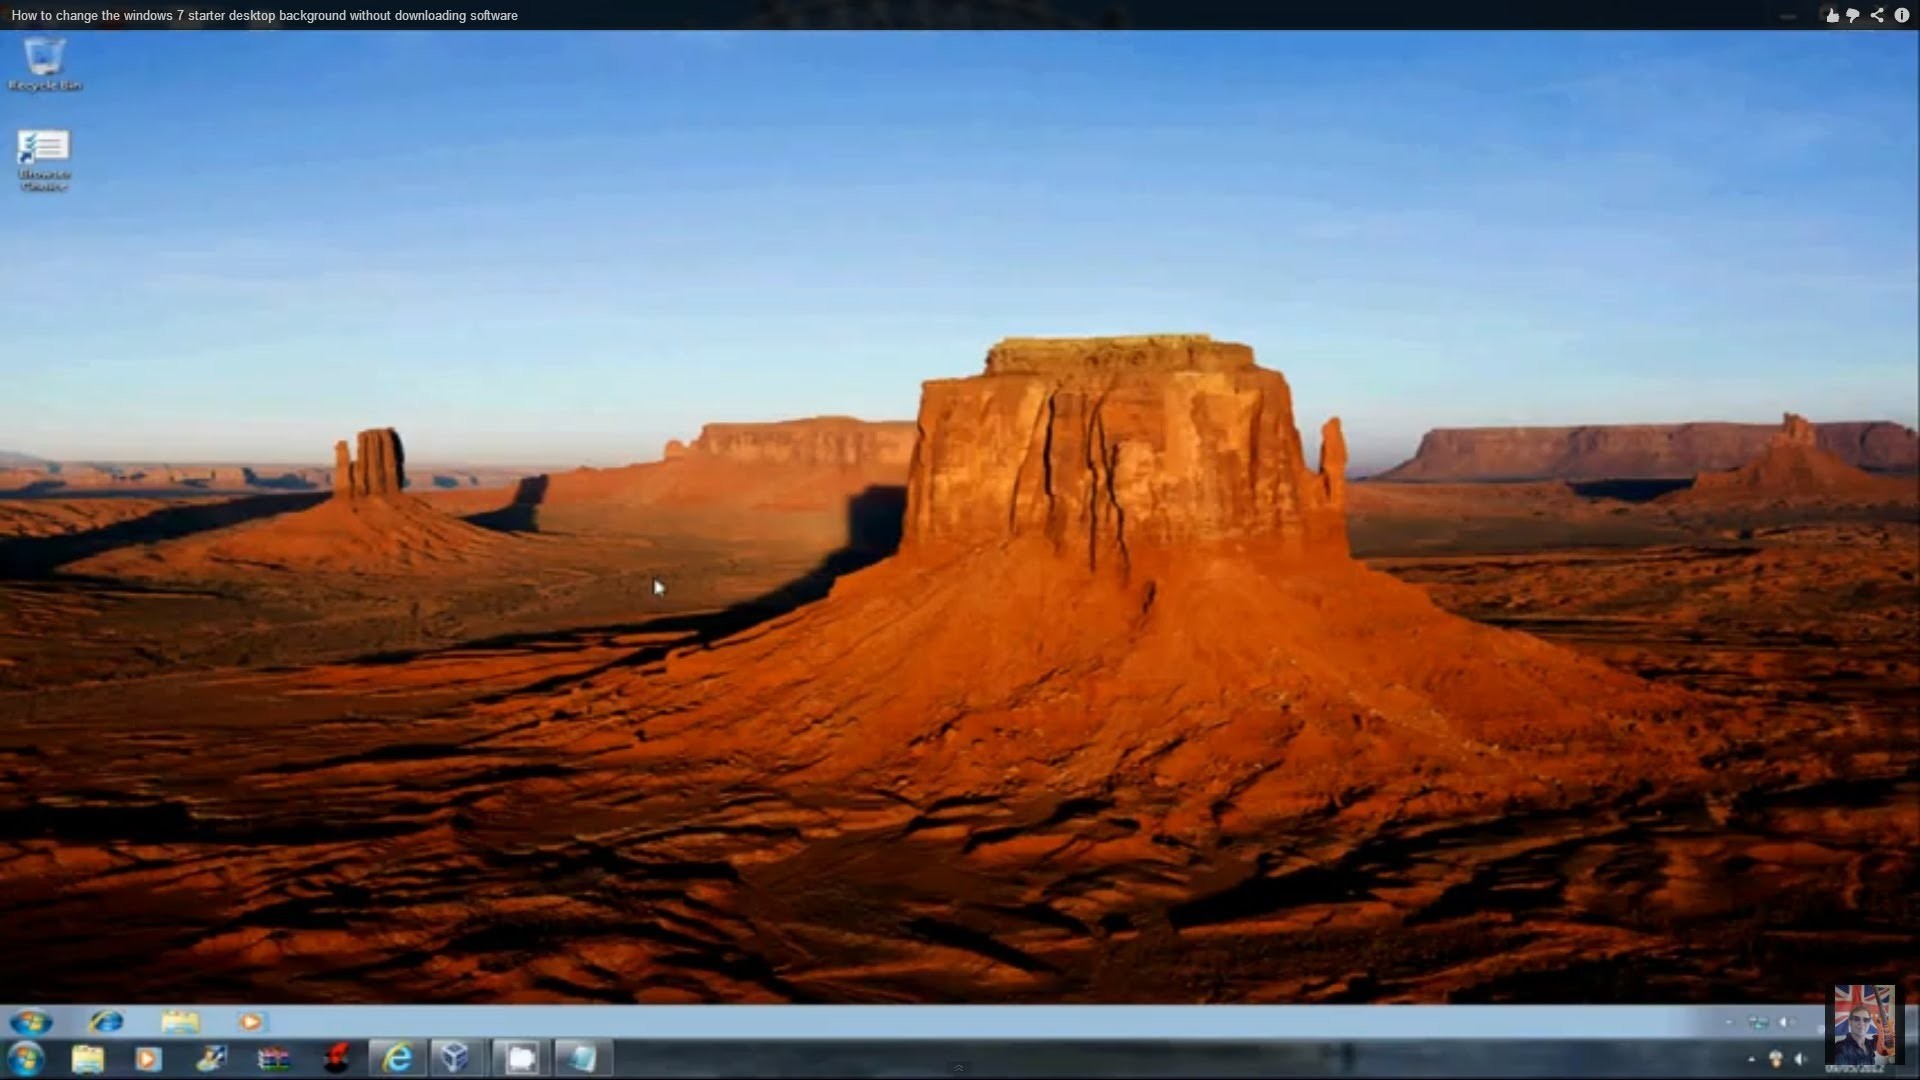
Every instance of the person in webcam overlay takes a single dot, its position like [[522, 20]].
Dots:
[[1854, 1044], [1863, 1019]]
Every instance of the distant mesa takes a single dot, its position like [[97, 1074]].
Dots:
[[826, 441], [96, 478], [1637, 451], [1120, 574], [377, 470], [814, 464], [1794, 466]]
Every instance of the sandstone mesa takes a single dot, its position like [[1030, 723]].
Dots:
[[1108, 445], [1641, 451], [1225, 657], [826, 441]]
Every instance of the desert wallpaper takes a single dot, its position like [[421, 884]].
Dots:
[[964, 518]]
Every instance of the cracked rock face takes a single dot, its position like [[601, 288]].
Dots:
[[1109, 447]]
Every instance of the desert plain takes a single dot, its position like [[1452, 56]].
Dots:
[[1096, 682]]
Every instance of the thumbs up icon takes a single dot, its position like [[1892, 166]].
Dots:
[[1833, 14]]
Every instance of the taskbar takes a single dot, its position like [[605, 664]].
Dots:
[[403, 1055]]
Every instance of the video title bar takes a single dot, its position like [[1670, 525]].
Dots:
[[963, 15]]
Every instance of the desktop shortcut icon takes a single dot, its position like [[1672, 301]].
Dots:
[[339, 1058], [106, 1020], [213, 1058], [253, 1023], [273, 1059], [148, 1059], [46, 55], [33, 146]]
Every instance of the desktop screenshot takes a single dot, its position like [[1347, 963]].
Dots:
[[960, 538]]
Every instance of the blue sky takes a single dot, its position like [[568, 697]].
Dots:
[[556, 249]]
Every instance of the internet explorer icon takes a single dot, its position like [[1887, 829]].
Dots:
[[397, 1060]]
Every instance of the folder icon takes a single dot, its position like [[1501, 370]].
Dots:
[[179, 1022], [89, 1060]]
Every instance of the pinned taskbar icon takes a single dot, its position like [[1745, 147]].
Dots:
[[179, 1022]]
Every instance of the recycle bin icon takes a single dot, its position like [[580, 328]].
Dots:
[[46, 55]]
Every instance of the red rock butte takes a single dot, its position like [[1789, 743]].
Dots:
[[376, 471], [369, 526], [1119, 576], [1109, 448], [1795, 466]]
